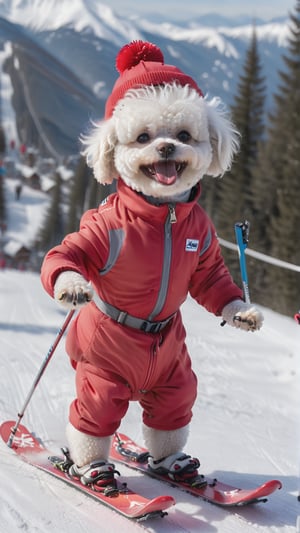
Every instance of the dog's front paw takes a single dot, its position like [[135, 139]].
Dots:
[[242, 315], [71, 290]]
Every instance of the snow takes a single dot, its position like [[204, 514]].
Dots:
[[8, 118], [12, 248], [244, 429], [25, 216], [219, 37], [65, 173], [209, 37], [81, 15], [25, 170], [272, 32], [108, 24]]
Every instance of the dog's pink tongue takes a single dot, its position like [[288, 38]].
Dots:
[[165, 172]]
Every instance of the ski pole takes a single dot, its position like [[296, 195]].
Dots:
[[40, 373], [242, 238]]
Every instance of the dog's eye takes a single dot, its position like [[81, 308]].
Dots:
[[143, 138], [184, 136]]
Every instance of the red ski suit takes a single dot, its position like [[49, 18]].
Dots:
[[143, 260]]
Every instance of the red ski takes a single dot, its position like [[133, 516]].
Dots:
[[124, 501], [126, 451]]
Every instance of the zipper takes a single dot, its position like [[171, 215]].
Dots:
[[172, 213], [171, 219], [150, 370]]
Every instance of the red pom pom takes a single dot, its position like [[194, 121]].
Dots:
[[131, 54]]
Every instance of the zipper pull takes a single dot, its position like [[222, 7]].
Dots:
[[172, 212]]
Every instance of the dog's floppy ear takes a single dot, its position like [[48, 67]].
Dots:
[[224, 138], [99, 147]]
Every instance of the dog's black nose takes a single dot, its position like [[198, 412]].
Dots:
[[166, 150]]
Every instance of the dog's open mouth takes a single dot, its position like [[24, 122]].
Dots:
[[165, 172]]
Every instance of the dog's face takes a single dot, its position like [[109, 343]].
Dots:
[[163, 145], [161, 141]]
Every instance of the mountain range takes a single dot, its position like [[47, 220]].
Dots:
[[58, 61]]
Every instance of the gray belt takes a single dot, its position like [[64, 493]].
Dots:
[[128, 320]]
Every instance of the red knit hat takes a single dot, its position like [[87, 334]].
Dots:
[[142, 63]]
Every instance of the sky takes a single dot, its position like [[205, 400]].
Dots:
[[266, 9]]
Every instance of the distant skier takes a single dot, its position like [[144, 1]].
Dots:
[[18, 190]]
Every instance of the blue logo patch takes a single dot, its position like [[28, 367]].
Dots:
[[191, 245]]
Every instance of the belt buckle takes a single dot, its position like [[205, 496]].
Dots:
[[145, 326], [155, 328], [150, 327]]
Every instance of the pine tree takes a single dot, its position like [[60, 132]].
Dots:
[[279, 170], [2, 151], [2, 141], [52, 231], [98, 192], [2, 134], [2, 203], [86, 193], [80, 186], [235, 191], [2, 173]]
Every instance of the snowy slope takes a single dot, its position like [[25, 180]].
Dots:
[[244, 430], [26, 215]]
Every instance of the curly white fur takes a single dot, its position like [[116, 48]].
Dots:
[[242, 315], [72, 290], [113, 148], [86, 448], [163, 443]]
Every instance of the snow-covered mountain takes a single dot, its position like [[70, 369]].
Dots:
[[59, 58]]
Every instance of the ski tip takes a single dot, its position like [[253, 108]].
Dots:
[[160, 504], [277, 484], [7, 432], [168, 500], [269, 487]]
